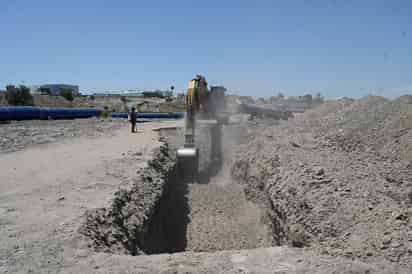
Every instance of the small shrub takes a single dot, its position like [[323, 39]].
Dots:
[[105, 112]]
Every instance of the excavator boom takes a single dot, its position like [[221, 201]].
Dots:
[[196, 101], [200, 103]]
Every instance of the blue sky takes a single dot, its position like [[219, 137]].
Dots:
[[259, 48]]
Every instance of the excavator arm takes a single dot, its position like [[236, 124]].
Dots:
[[196, 102]]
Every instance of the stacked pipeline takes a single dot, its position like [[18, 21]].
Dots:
[[44, 113]]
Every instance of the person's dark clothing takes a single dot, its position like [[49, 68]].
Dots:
[[133, 118]]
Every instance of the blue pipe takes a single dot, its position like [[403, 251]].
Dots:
[[34, 113]]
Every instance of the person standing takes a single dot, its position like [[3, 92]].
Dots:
[[133, 119]]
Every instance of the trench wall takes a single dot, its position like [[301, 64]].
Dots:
[[132, 223]]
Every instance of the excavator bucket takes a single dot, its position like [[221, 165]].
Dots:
[[188, 162]]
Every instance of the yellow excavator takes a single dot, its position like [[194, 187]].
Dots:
[[199, 102]]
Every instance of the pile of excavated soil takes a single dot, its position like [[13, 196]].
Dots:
[[368, 124], [338, 178], [18, 135]]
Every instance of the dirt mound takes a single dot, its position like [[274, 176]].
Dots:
[[340, 184], [51, 101], [368, 124]]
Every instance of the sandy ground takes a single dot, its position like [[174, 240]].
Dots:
[[18, 135], [257, 261], [45, 190]]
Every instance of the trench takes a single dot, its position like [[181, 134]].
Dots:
[[204, 214], [208, 213], [166, 230]]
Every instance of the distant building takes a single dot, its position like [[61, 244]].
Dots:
[[135, 93], [106, 94], [119, 93], [158, 93], [34, 90], [57, 89], [168, 93]]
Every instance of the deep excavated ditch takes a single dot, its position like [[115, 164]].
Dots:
[[166, 213]]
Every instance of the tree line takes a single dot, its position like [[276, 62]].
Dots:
[[18, 96]]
